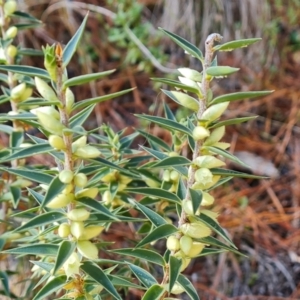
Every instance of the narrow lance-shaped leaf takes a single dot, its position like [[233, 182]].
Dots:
[[55, 187], [189, 288], [95, 272], [174, 271], [35, 249], [226, 154], [155, 192], [143, 276], [145, 254], [71, 47], [172, 161], [232, 122], [43, 219], [26, 70], [236, 44], [85, 78], [29, 151], [239, 96], [37, 176], [80, 117], [52, 286], [224, 172], [65, 250], [155, 292], [176, 84], [151, 215], [155, 140], [158, 233], [84, 103], [196, 198], [166, 123], [184, 44]]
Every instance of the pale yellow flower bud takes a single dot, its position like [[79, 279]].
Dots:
[[78, 214], [196, 249], [17, 92], [80, 180], [87, 249], [77, 229], [195, 230], [89, 192], [79, 143], [60, 201], [200, 133], [107, 197], [70, 99], [56, 142], [91, 232], [45, 90], [66, 176], [50, 123], [10, 7], [64, 230], [11, 32], [186, 243], [173, 243], [12, 51], [87, 151], [27, 93]]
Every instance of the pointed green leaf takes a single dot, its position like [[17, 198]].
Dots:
[[151, 215], [55, 188], [169, 124], [99, 276], [189, 288], [65, 250], [224, 172], [231, 122], [155, 192], [33, 175], [118, 281], [43, 219], [16, 139], [6, 128], [226, 154], [71, 47], [196, 197], [172, 161], [84, 103], [97, 206], [176, 84], [219, 183], [80, 117], [143, 276], [236, 44], [155, 292], [21, 14], [103, 162], [3, 77], [26, 70], [35, 249], [159, 155], [145, 254], [210, 240], [184, 44], [30, 52], [220, 71], [4, 279], [239, 96], [51, 287], [158, 233], [36, 196], [174, 271], [155, 140], [16, 195], [215, 226], [86, 78], [29, 151], [210, 251], [183, 99], [168, 113], [22, 26]]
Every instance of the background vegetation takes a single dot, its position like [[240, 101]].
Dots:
[[262, 217]]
